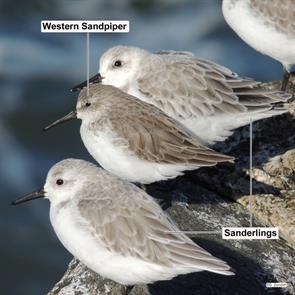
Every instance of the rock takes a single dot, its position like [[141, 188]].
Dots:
[[273, 200], [80, 280], [207, 199]]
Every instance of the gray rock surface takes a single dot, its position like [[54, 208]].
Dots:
[[207, 199], [273, 200]]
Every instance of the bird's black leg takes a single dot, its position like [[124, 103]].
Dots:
[[142, 186], [127, 289], [165, 203], [286, 78]]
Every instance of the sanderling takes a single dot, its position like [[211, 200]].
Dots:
[[116, 229], [207, 98], [266, 25], [135, 140]]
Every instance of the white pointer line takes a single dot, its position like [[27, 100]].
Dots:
[[87, 61], [194, 232], [251, 170]]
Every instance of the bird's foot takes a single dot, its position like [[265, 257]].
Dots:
[[286, 78], [127, 290]]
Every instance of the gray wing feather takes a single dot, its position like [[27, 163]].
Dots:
[[127, 221], [153, 136], [185, 87]]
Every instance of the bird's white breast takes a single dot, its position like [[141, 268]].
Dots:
[[77, 238], [114, 156]]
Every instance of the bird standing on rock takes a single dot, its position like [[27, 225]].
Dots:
[[116, 229]]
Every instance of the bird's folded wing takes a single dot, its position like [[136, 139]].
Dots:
[[186, 87], [155, 137], [129, 223]]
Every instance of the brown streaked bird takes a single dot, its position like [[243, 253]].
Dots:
[[266, 25], [116, 229], [207, 98], [135, 140]]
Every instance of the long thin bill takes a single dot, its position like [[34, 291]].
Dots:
[[32, 196], [71, 115], [95, 79]]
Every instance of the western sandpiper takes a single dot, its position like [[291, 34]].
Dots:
[[135, 140]]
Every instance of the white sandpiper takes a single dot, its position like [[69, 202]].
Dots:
[[266, 25], [135, 140], [116, 229], [207, 98]]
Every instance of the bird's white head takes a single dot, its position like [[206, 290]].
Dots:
[[64, 181], [120, 65]]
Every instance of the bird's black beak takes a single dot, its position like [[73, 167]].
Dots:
[[32, 196], [71, 115], [95, 79]]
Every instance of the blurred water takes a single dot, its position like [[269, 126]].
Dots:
[[36, 71]]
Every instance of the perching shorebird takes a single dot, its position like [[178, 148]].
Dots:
[[207, 98], [116, 229], [135, 140], [266, 25]]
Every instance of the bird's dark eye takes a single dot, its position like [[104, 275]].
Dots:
[[118, 63], [59, 182], [87, 104]]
